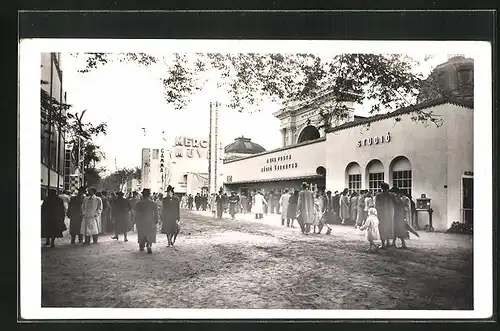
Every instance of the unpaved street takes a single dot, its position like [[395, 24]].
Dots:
[[249, 264]]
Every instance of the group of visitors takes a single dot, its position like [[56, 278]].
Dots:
[[385, 216], [92, 213]]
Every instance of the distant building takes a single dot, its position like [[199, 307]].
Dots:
[[183, 166], [241, 147], [53, 146], [433, 161], [451, 79]]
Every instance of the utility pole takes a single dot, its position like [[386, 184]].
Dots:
[[216, 158], [210, 151]]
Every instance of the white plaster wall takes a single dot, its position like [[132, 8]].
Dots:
[[308, 158], [460, 156], [425, 147]]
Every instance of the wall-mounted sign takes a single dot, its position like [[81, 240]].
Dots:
[[278, 167], [375, 140], [279, 158], [162, 158], [229, 179], [190, 147], [468, 173], [191, 142]]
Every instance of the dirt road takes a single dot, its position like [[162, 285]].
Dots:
[[248, 264]]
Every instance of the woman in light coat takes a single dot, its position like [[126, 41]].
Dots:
[[258, 205], [344, 206]]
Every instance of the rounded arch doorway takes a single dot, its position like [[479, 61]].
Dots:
[[310, 132]]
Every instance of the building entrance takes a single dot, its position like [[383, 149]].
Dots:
[[467, 199]]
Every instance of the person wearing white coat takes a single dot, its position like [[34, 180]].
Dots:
[[259, 202]]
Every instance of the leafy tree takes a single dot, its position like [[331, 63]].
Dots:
[[386, 79], [77, 132], [117, 179]]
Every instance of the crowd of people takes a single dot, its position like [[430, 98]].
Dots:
[[385, 216], [93, 213]]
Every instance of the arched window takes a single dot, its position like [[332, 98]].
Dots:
[[353, 175], [375, 171], [401, 173], [310, 132]]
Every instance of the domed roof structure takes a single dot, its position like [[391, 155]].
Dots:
[[242, 145], [451, 79]]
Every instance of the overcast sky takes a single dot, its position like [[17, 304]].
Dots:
[[129, 97]]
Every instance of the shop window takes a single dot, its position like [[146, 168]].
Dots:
[[402, 180], [375, 174], [353, 177], [354, 183], [402, 174], [374, 181]]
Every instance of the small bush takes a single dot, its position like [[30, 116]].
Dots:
[[462, 228]]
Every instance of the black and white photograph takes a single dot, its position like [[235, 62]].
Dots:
[[255, 179]]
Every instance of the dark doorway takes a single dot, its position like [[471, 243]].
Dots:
[[467, 200], [309, 133]]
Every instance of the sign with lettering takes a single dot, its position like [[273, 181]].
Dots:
[[190, 147], [277, 163], [369, 141]]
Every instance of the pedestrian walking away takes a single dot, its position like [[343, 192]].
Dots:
[[170, 215], [385, 205], [305, 209], [91, 212], [283, 203], [234, 201], [259, 205], [121, 215], [371, 227], [53, 214], [146, 218], [75, 215]]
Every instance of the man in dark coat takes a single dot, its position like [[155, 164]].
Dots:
[[234, 201], [400, 230], [146, 219], [219, 201], [53, 213], [75, 215], [336, 206], [204, 202], [121, 216], [329, 211], [190, 202], [197, 201], [385, 204], [170, 215]]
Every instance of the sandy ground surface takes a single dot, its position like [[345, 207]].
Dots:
[[246, 263]]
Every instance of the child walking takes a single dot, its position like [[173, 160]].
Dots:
[[371, 227]]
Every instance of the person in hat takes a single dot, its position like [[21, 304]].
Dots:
[[170, 215], [400, 230], [91, 210], [53, 213], [234, 200], [75, 215], [146, 218], [385, 204], [121, 216], [219, 203], [305, 208]]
